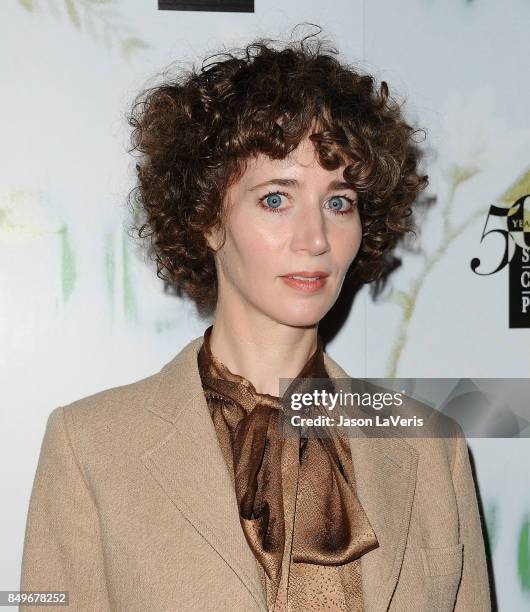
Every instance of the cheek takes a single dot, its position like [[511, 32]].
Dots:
[[256, 242], [255, 247], [345, 243]]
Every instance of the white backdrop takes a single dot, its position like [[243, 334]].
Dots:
[[81, 311]]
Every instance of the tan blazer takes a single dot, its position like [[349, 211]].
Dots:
[[132, 509]]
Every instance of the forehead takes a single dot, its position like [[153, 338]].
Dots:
[[302, 159]]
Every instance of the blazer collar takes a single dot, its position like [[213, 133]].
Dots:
[[189, 465]]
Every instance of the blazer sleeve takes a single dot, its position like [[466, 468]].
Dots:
[[62, 546], [474, 591]]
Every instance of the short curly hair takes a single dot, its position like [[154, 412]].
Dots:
[[196, 130]]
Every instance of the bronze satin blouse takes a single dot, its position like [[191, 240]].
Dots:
[[296, 495]]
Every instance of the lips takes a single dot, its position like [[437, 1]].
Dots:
[[305, 281], [307, 275]]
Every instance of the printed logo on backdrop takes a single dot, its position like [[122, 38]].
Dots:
[[513, 235], [232, 6]]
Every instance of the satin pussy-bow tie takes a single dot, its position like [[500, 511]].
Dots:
[[335, 529]]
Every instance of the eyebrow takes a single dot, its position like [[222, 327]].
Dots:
[[291, 182]]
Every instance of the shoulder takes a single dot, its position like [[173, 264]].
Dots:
[[109, 419], [437, 442], [128, 400], [428, 434], [115, 403], [119, 419]]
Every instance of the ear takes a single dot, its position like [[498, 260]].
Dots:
[[213, 238]]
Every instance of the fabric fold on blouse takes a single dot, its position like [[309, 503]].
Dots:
[[296, 496]]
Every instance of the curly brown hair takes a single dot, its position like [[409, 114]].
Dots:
[[197, 129]]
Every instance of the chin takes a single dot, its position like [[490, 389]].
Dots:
[[307, 316]]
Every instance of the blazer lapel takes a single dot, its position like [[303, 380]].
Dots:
[[385, 476], [189, 465]]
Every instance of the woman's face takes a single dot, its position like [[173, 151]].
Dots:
[[285, 217]]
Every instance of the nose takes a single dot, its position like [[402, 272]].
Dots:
[[310, 231]]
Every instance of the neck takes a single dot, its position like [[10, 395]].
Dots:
[[262, 351]]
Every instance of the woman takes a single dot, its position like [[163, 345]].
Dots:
[[268, 179]]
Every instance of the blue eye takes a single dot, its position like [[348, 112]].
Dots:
[[336, 203], [273, 199]]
